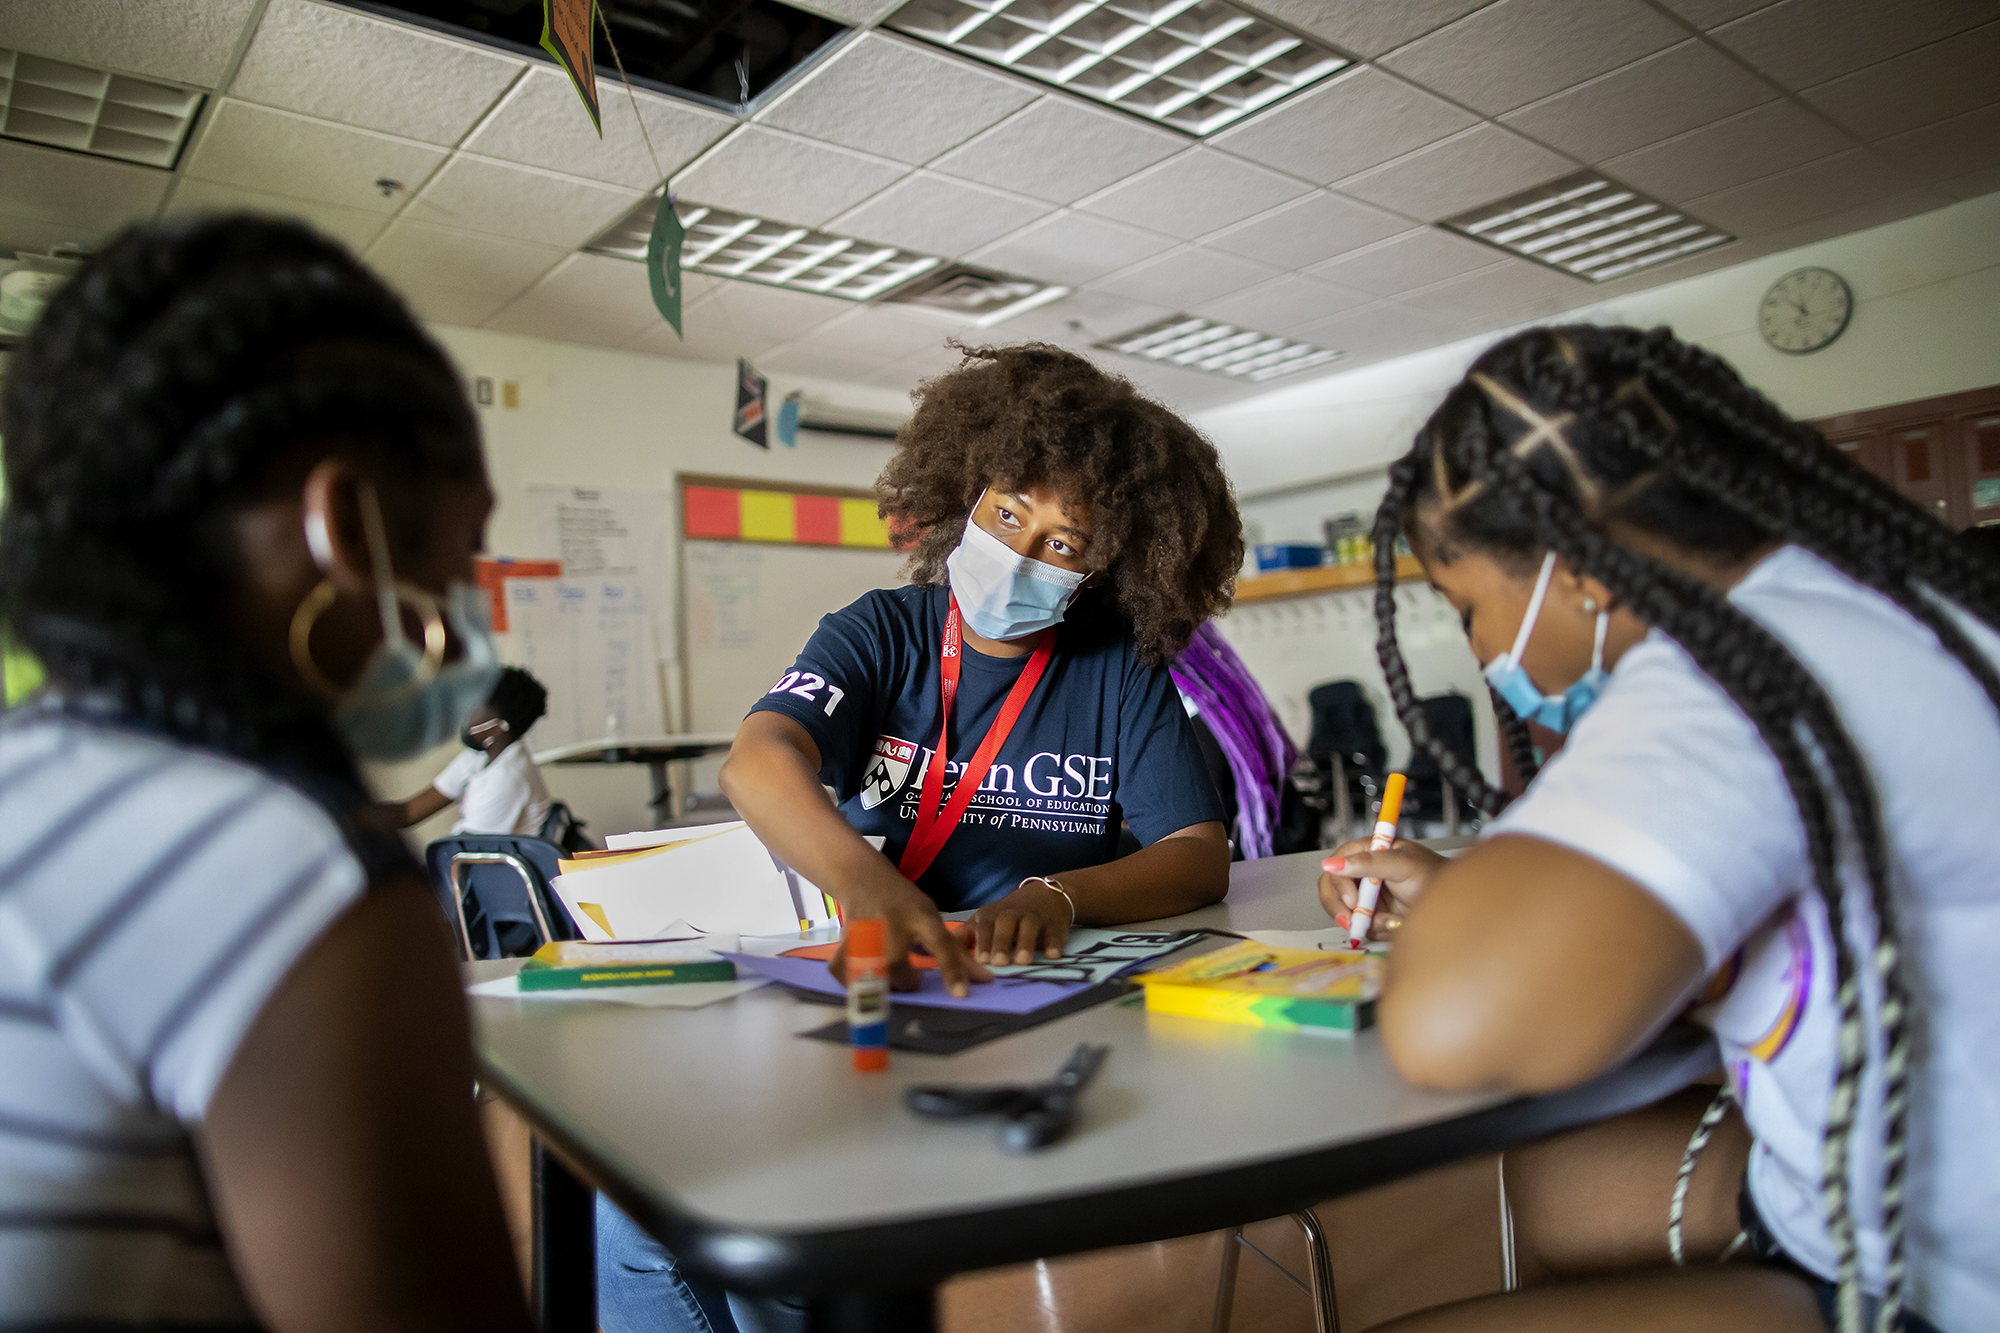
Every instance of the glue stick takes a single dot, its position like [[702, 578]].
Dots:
[[868, 994]]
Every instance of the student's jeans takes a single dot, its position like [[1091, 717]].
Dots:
[[640, 1289]]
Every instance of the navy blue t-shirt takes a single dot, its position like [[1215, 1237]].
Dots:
[[1103, 738]]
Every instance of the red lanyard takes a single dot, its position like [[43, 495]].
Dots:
[[934, 825]]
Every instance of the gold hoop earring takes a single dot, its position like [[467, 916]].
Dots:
[[322, 596]]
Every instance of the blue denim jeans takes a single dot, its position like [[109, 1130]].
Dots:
[[640, 1289]]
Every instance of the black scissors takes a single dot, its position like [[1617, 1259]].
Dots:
[[1031, 1115]]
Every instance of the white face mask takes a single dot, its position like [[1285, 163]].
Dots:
[[1003, 595]]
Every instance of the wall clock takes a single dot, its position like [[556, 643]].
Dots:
[[1805, 310]]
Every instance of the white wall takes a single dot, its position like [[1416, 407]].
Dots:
[[1926, 322], [596, 417]]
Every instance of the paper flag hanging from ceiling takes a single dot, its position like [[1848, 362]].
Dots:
[[751, 419], [663, 262], [741, 514], [566, 32]]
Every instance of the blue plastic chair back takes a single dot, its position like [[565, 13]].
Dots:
[[494, 891]]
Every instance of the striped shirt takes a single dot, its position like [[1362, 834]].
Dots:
[[152, 896]]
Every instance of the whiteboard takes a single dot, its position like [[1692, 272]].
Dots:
[[749, 608]]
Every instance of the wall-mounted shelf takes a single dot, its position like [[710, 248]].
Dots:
[[1324, 578]]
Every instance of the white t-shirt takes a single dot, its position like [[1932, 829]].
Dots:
[[151, 899], [1667, 782], [505, 795]]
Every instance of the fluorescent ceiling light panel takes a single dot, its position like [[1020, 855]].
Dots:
[[1589, 227], [736, 245], [92, 110], [978, 295], [1219, 349], [1196, 65]]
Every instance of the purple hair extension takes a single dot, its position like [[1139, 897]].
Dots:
[[1259, 751]]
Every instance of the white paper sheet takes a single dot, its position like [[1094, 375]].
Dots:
[[682, 995], [725, 884]]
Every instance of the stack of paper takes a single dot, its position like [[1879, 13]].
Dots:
[[718, 879]]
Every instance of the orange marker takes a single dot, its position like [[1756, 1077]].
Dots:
[[1385, 838], [868, 993]]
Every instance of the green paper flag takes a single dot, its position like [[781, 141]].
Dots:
[[566, 26], [663, 262]]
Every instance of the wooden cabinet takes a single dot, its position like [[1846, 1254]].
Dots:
[[1943, 453]]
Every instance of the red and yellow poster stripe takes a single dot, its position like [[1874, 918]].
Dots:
[[790, 518]]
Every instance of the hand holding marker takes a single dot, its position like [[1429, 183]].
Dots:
[[1385, 837]]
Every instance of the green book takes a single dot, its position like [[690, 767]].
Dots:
[[582, 965]]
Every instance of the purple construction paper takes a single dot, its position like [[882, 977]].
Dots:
[[1001, 996]]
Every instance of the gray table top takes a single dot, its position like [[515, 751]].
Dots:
[[766, 1160]]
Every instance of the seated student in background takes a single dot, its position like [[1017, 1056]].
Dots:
[[1070, 536], [1778, 805], [494, 779], [238, 1063]]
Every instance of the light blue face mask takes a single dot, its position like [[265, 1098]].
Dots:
[[1510, 681], [406, 699], [1002, 595]]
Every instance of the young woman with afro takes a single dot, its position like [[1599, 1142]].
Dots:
[[1070, 535], [1776, 807]]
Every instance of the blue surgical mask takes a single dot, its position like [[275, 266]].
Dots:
[[405, 702], [1510, 681], [1002, 595]]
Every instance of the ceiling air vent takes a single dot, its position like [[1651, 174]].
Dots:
[[978, 294], [736, 245], [93, 111], [1196, 65], [1219, 349], [1588, 227]]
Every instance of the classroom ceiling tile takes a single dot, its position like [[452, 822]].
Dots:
[[854, 12], [541, 124], [1817, 188], [1070, 247], [503, 199], [887, 333], [1487, 292], [1714, 13], [891, 97], [1947, 78], [1282, 305], [1186, 277], [352, 227], [436, 304], [46, 192], [1513, 52], [1373, 332], [1413, 259], [707, 338], [784, 177], [1972, 185], [1367, 28], [585, 299], [936, 215], [414, 252], [1306, 231], [1767, 139], [1060, 150], [1182, 391], [1356, 120], [1471, 168], [1803, 42], [1194, 194], [817, 362], [1665, 94], [339, 65], [1078, 320], [280, 152], [185, 43], [753, 308], [1949, 148]]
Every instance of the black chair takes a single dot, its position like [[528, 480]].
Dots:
[[1430, 798], [1346, 747], [494, 890]]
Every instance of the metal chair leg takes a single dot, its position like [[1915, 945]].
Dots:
[[1225, 1286], [1326, 1313]]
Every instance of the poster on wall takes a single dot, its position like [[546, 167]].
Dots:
[[594, 632]]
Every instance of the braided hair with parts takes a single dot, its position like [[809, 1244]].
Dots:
[[189, 369], [1559, 437]]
